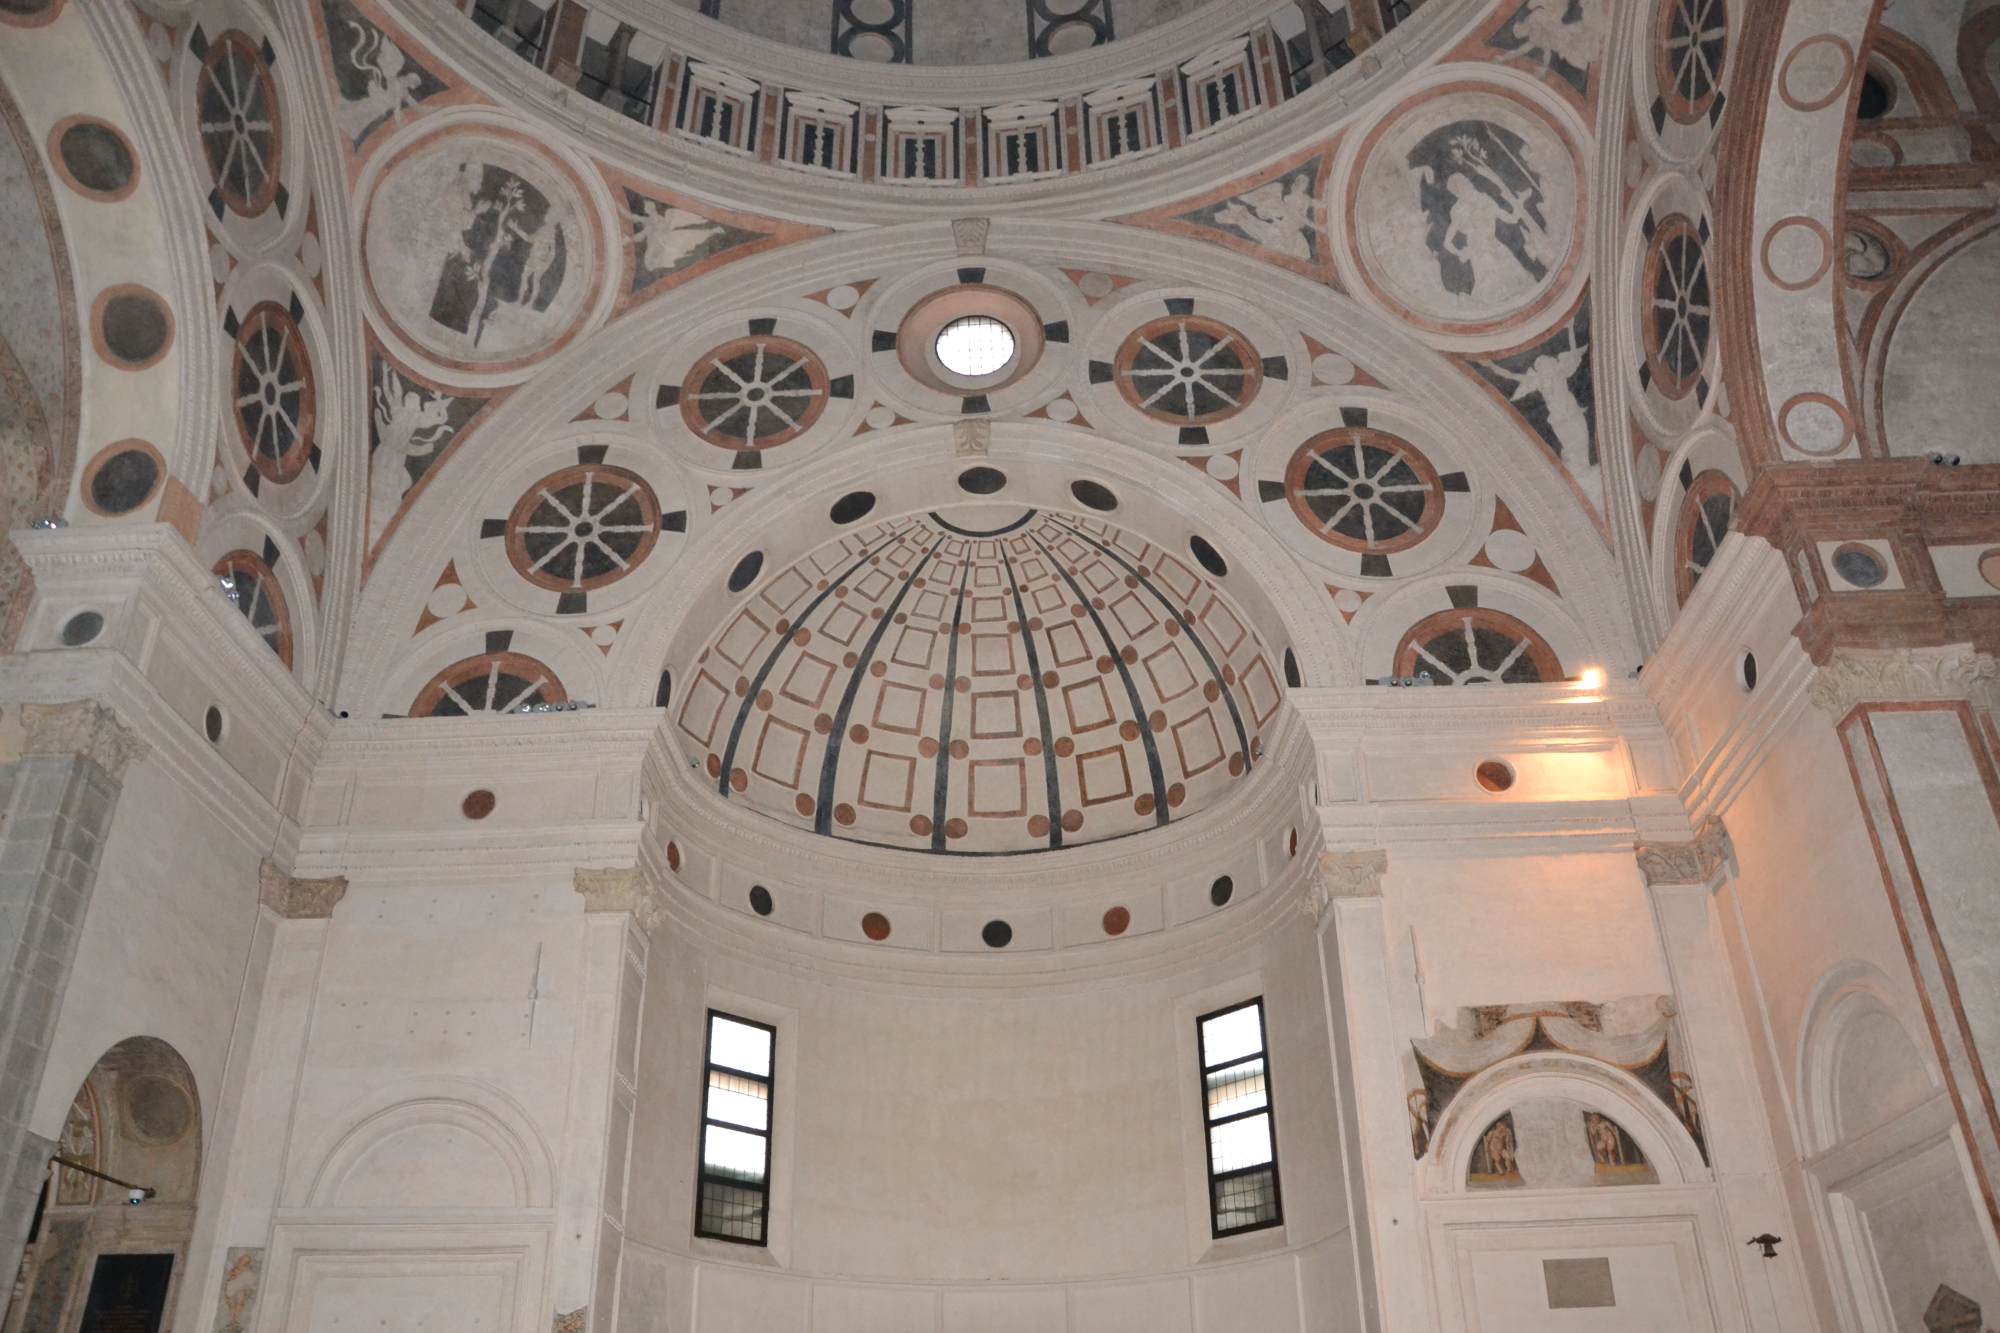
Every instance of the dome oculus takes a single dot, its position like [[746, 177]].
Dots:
[[975, 346]]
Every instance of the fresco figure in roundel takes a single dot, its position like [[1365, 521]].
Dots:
[[1465, 211], [478, 251], [1483, 204]]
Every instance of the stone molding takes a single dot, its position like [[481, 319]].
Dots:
[[84, 728], [1344, 875], [298, 899], [1698, 862], [972, 439], [1862, 676], [622, 890]]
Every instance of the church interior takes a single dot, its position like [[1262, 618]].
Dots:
[[807, 666]]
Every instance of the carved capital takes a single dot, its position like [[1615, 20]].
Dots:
[[972, 439], [969, 234], [625, 890], [1696, 862], [1344, 875], [84, 728], [298, 899], [1858, 676]]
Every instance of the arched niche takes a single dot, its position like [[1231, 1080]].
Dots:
[[1861, 1063], [437, 1144], [118, 1207], [1593, 1088]]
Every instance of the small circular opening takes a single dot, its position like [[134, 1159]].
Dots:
[[760, 900], [997, 934], [81, 628], [975, 346], [211, 725], [1222, 890], [1494, 775], [478, 804], [1746, 671]]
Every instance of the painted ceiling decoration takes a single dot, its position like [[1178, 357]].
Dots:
[[981, 680]]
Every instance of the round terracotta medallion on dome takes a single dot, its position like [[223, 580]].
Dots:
[[1475, 646], [583, 527], [1680, 306], [754, 393], [1364, 490], [276, 402], [1188, 370], [239, 122], [490, 683], [1464, 210]]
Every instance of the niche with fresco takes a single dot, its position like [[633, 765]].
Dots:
[[1553, 1143]]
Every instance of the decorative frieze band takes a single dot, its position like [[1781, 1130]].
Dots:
[[1696, 862], [1856, 676], [1344, 875], [623, 890], [298, 899], [85, 728]]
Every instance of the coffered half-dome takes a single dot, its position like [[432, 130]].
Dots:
[[986, 679]]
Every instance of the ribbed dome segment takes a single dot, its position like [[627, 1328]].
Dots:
[[923, 685]]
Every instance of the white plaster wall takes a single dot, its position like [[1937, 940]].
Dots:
[[960, 1156], [164, 943]]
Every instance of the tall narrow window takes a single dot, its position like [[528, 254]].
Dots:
[[734, 1201], [1243, 1190]]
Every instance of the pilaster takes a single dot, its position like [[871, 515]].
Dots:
[[59, 795], [1681, 879]]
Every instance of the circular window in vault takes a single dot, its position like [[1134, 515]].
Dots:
[[1474, 646], [487, 684], [276, 399], [1188, 370], [582, 528], [1707, 511], [755, 393], [259, 599], [237, 104], [975, 346], [1364, 490], [1677, 334]]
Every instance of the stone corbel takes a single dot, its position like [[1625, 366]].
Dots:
[[298, 899], [1344, 875], [84, 728], [1701, 861], [625, 890], [1856, 676]]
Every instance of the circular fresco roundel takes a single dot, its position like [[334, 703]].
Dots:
[[479, 249], [1464, 210]]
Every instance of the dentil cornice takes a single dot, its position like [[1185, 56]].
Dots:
[[1855, 676]]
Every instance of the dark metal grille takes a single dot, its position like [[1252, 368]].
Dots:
[[1243, 1193], [733, 1195]]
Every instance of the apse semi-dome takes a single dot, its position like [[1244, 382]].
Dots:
[[980, 681]]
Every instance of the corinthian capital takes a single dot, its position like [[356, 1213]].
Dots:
[[1344, 875], [624, 890], [1888, 675], [1695, 862], [298, 899], [84, 728]]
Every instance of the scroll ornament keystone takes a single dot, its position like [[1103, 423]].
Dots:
[[1344, 875], [969, 234], [84, 728], [1858, 676], [298, 899], [972, 439], [622, 890]]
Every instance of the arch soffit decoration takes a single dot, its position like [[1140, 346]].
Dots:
[[1849, 991], [1512, 465], [461, 1104], [1545, 1074]]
